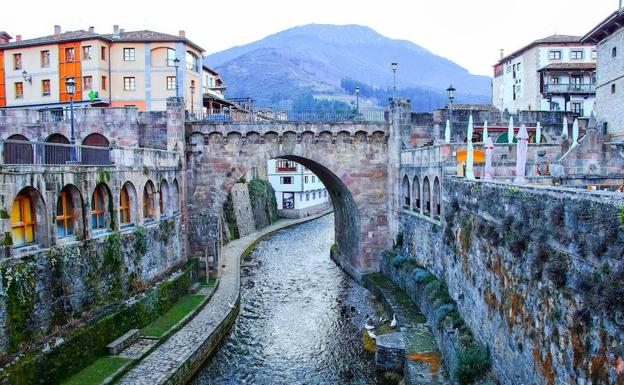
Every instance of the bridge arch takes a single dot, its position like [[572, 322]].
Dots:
[[353, 172]]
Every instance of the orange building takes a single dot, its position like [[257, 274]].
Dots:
[[136, 68]]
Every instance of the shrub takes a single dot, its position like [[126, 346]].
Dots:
[[399, 240], [401, 260], [556, 270], [473, 363]]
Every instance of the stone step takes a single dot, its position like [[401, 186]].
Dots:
[[123, 342], [194, 288]]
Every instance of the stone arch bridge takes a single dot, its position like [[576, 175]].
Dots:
[[350, 158]]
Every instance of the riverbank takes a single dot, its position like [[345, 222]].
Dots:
[[176, 360]]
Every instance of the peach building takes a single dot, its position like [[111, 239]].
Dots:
[[121, 69]]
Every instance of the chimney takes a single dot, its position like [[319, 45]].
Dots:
[[115, 31], [57, 31], [91, 29], [502, 54], [4, 37], [18, 38], [182, 34], [121, 30]]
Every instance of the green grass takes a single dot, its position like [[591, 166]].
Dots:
[[162, 324], [210, 282], [97, 372]]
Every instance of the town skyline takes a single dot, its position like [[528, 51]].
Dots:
[[453, 38]]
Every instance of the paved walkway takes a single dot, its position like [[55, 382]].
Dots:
[[169, 363]]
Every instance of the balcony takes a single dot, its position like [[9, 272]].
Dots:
[[569, 88]]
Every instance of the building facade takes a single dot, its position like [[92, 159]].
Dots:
[[609, 38], [122, 69], [298, 191], [556, 73]]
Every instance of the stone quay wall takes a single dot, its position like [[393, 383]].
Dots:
[[536, 273]]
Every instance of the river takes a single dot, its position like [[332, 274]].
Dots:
[[300, 320]]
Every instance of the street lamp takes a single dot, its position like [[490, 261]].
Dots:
[[70, 88], [451, 95], [394, 66], [176, 64], [357, 99], [192, 96]]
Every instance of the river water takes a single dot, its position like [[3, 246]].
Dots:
[[301, 317]]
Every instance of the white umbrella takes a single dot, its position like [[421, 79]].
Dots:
[[564, 130], [510, 130], [470, 152], [485, 133], [521, 160], [489, 147], [575, 131], [447, 132], [538, 133]]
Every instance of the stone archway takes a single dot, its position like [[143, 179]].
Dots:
[[350, 159]]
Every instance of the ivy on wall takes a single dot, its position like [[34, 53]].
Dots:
[[230, 219], [18, 282], [263, 202]]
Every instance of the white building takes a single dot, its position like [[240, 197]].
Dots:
[[556, 73], [609, 37], [298, 191]]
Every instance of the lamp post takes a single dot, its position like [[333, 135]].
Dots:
[[357, 99], [70, 88], [394, 66], [192, 96], [451, 95], [176, 64]]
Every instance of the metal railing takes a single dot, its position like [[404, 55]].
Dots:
[[570, 88], [275, 116], [20, 152]]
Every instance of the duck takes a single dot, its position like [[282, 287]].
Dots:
[[371, 334], [393, 323], [368, 325]]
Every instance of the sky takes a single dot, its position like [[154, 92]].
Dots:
[[469, 32]]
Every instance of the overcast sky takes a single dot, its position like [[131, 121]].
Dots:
[[469, 32]]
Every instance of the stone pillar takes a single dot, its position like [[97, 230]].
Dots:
[[399, 112], [175, 125]]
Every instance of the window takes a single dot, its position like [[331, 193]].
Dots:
[[192, 63], [17, 61], [325, 194], [577, 108], [19, 90], [87, 52], [171, 81], [313, 178], [313, 195], [614, 52], [286, 180], [577, 80], [307, 196], [593, 78], [69, 54], [124, 206], [149, 208], [98, 211], [129, 84], [65, 214], [554, 80], [554, 55], [45, 87], [306, 179], [612, 88], [576, 55], [23, 222], [594, 54], [129, 54], [103, 86], [103, 53], [87, 83], [171, 56], [45, 58]]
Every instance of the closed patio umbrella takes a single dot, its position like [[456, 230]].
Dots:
[[522, 150]]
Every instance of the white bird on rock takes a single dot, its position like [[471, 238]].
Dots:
[[371, 334], [368, 325], [393, 323]]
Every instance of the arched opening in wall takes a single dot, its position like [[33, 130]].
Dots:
[[127, 205], [502, 138], [101, 206], [163, 199], [416, 193], [69, 213], [15, 152], [405, 192], [28, 218], [162, 57], [532, 138], [57, 149], [436, 197], [175, 198], [149, 199], [426, 196], [96, 150]]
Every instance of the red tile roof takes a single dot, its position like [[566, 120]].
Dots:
[[554, 39]]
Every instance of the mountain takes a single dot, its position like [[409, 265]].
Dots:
[[316, 59]]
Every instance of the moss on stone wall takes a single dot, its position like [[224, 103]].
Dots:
[[71, 355], [230, 219], [19, 282], [263, 203]]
